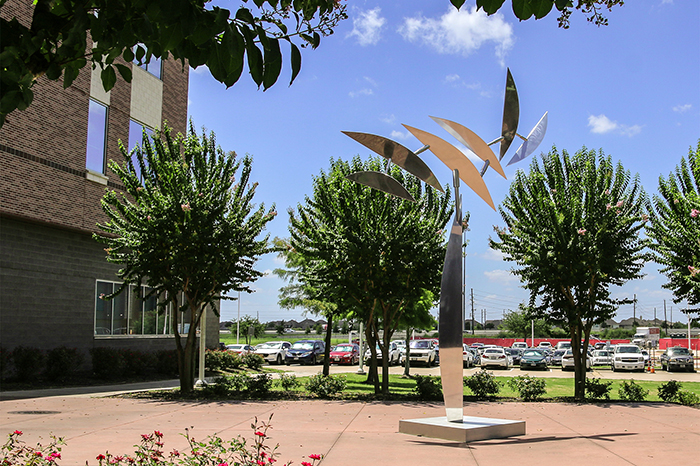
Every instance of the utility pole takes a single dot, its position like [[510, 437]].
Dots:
[[472, 311], [634, 311], [665, 320], [654, 316]]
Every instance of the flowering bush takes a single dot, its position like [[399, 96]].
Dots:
[[597, 389], [288, 382], [17, 452], [428, 387], [632, 391], [482, 384], [325, 386], [253, 361], [213, 451], [529, 388]]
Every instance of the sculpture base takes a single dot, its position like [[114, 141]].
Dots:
[[469, 430]]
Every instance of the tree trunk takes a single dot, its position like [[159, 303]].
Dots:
[[327, 351], [385, 361], [579, 362], [372, 374]]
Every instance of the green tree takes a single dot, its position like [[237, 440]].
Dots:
[[192, 31], [675, 228], [572, 228], [279, 328], [518, 324], [251, 328], [371, 254], [526, 9], [187, 228], [195, 32]]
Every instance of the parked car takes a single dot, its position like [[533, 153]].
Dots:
[[677, 358], [401, 345], [567, 361], [477, 356], [565, 345], [533, 359], [520, 345], [544, 344], [647, 357], [394, 355], [515, 354], [240, 348], [467, 356], [557, 355], [345, 353], [600, 345], [495, 357], [601, 357], [273, 351], [306, 352], [628, 357], [422, 351]]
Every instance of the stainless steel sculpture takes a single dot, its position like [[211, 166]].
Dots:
[[455, 160], [397, 154], [511, 115], [451, 365], [532, 141], [382, 182]]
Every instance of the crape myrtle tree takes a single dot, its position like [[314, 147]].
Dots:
[[187, 227], [300, 294], [675, 228], [572, 229], [196, 32], [371, 253], [418, 316], [250, 327], [517, 324]]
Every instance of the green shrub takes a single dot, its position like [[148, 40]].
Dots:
[[107, 363], [166, 362], [631, 391], [325, 386], [259, 385], [668, 391], [137, 363], [482, 384], [688, 398], [530, 388], [428, 388], [288, 382], [215, 360], [62, 362], [596, 389], [253, 361], [28, 362], [5, 360]]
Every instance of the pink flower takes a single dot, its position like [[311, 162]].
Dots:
[[645, 217], [694, 213], [618, 212], [100, 457], [676, 201], [581, 231], [608, 207], [139, 189], [315, 457], [619, 204], [174, 453], [554, 190], [148, 218], [223, 464], [39, 454], [259, 463], [607, 191], [260, 434], [693, 271], [186, 207], [271, 460], [305, 463], [17, 432], [146, 436], [160, 444]]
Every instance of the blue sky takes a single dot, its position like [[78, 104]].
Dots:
[[631, 88]]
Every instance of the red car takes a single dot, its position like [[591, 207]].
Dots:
[[345, 353]]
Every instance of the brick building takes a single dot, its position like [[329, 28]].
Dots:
[[53, 173]]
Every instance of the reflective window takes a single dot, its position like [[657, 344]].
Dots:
[[136, 138], [96, 137], [155, 66]]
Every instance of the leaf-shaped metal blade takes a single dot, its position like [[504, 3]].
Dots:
[[382, 182], [511, 115], [398, 154], [533, 140], [455, 159], [472, 141]]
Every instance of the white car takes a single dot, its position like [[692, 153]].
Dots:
[[519, 345], [601, 358], [394, 354], [423, 351], [273, 351], [544, 344], [567, 361], [467, 356], [495, 357], [240, 348], [628, 357]]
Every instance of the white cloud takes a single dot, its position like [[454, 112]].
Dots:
[[502, 276], [267, 273], [202, 69], [451, 78], [389, 119], [361, 92], [601, 124], [367, 27], [682, 108], [492, 255], [460, 32], [399, 135]]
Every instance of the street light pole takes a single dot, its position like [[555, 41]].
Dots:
[[238, 321]]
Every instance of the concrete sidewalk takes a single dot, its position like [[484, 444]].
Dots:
[[352, 433]]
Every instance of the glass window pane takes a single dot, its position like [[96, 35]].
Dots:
[[136, 136], [119, 317], [96, 137], [155, 67], [103, 309], [150, 314], [135, 311]]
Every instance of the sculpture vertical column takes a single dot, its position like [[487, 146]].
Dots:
[[451, 365]]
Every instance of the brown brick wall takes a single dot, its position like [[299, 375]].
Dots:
[[47, 181]]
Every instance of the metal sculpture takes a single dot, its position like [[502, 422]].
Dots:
[[462, 168]]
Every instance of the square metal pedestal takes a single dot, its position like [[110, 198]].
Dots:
[[469, 430]]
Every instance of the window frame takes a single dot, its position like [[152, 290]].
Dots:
[[105, 131]]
